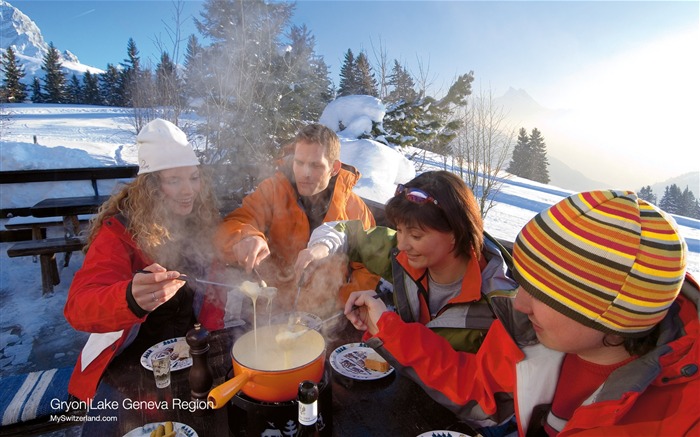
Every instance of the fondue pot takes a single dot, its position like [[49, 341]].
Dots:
[[267, 371]]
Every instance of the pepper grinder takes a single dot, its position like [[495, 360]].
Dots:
[[200, 377]]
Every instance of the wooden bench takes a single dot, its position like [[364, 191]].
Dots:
[[92, 174], [47, 249]]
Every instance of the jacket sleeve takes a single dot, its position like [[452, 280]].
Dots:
[[371, 247], [465, 383], [96, 299], [250, 219], [358, 209]]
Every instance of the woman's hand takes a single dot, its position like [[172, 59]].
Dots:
[[151, 290], [369, 310], [307, 256]]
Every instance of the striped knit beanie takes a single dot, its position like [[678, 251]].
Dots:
[[606, 259]]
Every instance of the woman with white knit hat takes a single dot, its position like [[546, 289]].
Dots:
[[124, 294], [603, 339]]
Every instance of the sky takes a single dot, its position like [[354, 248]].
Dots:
[[622, 75], [33, 332]]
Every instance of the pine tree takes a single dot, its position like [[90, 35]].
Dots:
[[539, 163], [55, 80], [110, 87], [74, 92], [168, 84], [37, 94], [366, 83], [688, 204], [671, 200], [195, 69], [646, 193], [308, 89], [130, 73], [520, 162], [427, 122], [242, 90], [91, 89], [348, 76], [13, 90], [403, 86]]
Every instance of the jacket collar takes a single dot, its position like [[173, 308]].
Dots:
[[471, 282]]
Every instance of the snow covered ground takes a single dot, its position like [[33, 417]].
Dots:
[[33, 333]]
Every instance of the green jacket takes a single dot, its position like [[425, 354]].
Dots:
[[487, 287]]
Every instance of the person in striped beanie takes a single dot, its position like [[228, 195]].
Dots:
[[602, 339]]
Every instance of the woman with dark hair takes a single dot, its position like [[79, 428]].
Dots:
[[124, 295], [446, 272]]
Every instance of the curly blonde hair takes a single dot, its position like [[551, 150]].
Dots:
[[142, 203]]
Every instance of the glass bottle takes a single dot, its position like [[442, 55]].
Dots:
[[307, 399]]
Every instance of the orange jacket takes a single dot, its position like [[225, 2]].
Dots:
[[273, 212]]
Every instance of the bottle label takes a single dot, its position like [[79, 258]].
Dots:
[[308, 413]]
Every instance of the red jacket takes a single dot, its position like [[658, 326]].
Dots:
[[657, 394], [97, 304], [273, 212]]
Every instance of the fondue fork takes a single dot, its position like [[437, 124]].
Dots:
[[286, 338], [262, 281], [191, 278]]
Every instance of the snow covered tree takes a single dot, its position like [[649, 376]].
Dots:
[[243, 91], [671, 200], [91, 89], [55, 90], [308, 89], [74, 92], [366, 83], [110, 86], [12, 90], [427, 122], [539, 162], [348, 76]]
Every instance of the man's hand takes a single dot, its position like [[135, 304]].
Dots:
[[250, 252]]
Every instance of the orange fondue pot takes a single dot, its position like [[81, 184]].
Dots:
[[267, 371]]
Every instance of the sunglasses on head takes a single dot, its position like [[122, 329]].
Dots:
[[415, 195]]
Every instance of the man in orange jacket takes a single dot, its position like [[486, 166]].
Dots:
[[309, 187]]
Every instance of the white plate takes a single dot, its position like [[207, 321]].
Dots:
[[348, 360], [181, 430], [167, 345], [443, 434]]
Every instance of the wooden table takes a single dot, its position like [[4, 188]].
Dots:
[[69, 208], [392, 406]]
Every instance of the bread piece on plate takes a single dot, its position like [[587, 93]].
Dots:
[[375, 362], [181, 350]]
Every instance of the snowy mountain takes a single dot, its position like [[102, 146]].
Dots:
[[21, 33]]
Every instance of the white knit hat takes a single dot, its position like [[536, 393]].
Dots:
[[162, 145]]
